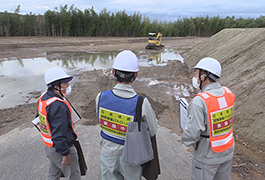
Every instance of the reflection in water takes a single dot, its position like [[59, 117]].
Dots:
[[78, 61], [21, 76], [159, 59], [156, 57], [74, 59]]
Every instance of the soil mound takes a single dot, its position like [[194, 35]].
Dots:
[[242, 56]]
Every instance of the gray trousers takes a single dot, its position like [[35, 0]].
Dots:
[[112, 168], [201, 171], [71, 172]]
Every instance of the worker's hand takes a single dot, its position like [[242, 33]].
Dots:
[[66, 160]]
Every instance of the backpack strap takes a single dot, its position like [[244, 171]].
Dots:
[[138, 114], [205, 136]]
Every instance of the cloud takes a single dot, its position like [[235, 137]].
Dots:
[[156, 9]]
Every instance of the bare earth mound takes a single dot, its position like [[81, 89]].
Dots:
[[241, 53]]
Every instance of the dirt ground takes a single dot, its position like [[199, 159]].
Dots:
[[248, 160]]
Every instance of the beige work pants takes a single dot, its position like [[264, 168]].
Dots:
[[112, 168], [201, 171]]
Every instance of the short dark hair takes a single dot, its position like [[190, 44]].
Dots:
[[55, 83], [123, 76]]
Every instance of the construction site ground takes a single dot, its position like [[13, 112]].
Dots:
[[240, 51]]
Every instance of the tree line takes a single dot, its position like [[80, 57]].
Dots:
[[71, 21]]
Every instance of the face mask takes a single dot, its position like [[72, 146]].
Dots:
[[195, 83], [68, 91]]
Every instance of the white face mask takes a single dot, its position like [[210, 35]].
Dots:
[[68, 90], [195, 83]]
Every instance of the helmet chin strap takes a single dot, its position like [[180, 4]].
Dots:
[[59, 90], [201, 81]]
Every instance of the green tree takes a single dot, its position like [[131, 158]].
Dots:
[[50, 22], [94, 22], [145, 26], [5, 24], [15, 23], [103, 24], [65, 20], [261, 22], [30, 25], [74, 22]]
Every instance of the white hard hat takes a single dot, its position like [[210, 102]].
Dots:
[[56, 73], [211, 65], [126, 61]]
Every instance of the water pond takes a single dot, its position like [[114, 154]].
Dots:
[[22, 76]]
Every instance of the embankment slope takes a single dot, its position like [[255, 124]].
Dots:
[[241, 53]]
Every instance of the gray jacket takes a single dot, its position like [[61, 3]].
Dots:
[[197, 126], [148, 114]]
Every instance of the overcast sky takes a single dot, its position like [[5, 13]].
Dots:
[[169, 10]]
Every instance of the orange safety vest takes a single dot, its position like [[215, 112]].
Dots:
[[45, 127], [220, 119]]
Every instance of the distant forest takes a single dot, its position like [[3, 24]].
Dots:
[[71, 21]]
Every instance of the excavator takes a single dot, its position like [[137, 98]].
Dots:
[[154, 42]]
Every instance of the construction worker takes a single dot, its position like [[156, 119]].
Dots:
[[57, 129], [209, 127], [121, 102]]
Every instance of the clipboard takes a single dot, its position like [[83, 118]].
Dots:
[[75, 117], [183, 112], [36, 123]]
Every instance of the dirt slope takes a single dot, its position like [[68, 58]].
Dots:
[[242, 56]]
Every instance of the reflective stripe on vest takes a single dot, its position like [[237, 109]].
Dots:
[[114, 113], [45, 127], [220, 119]]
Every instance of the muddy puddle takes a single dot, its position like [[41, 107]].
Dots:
[[22, 78]]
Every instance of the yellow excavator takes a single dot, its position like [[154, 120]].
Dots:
[[154, 42]]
